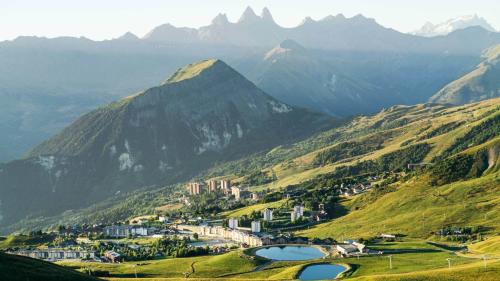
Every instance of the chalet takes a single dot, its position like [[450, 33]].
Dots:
[[113, 256], [347, 249]]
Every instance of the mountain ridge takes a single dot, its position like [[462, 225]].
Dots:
[[206, 113], [481, 83]]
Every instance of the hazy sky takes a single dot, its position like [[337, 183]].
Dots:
[[105, 19]]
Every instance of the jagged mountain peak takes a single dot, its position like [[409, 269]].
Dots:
[[248, 16], [266, 15], [332, 18], [220, 19]]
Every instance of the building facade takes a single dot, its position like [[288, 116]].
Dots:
[[255, 226], [268, 214], [56, 254], [233, 223]]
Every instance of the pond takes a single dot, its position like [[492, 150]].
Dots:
[[321, 272], [290, 253]]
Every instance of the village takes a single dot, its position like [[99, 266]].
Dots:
[[195, 235]]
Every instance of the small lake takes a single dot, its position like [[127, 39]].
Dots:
[[321, 272], [290, 253]]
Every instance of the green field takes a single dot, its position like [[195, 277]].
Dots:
[[24, 240], [417, 209], [410, 259], [490, 246], [253, 208]]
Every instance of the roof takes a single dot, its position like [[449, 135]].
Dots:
[[349, 248]]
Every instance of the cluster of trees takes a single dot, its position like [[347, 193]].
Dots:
[[259, 178], [461, 234], [477, 135], [347, 150], [442, 130], [459, 167], [168, 246]]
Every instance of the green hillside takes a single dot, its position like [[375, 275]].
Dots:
[[461, 143], [206, 113], [17, 268]]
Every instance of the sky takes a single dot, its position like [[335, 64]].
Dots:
[[106, 19]]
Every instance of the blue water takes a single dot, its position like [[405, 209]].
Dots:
[[290, 253], [321, 272]]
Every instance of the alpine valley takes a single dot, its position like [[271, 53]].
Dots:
[[336, 149]]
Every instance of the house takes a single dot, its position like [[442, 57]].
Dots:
[[236, 192], [255, 196], [387, 236], [113, 256], [351, 248], [347, 249]]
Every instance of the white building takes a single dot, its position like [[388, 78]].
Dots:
[[347, 249], [351, 248], [236, 191], [268, 214], [255, 196], [233, 223], [255, 226], [299, 210], [163, 219]]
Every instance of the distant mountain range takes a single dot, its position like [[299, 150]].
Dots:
[[429, 29], [480, 84], [347, 66], [205, 113], [332, 33]]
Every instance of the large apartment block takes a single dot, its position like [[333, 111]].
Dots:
[[194, 188]]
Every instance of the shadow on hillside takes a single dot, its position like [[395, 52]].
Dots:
[[448, 247], [338, 211], [409, 251]]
